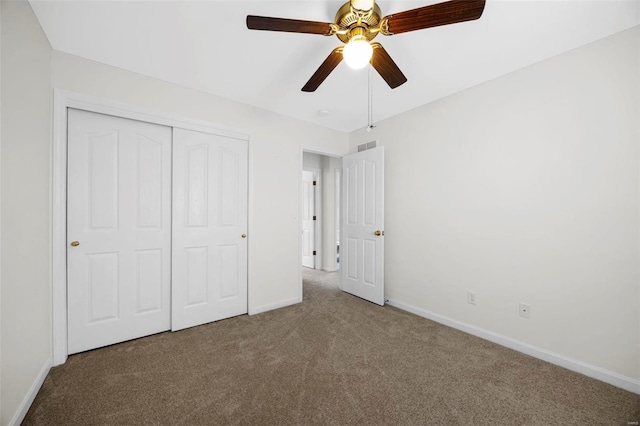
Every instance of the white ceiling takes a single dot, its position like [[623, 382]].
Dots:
[[205, 45]]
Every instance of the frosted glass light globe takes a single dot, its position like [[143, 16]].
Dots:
[[357, 53], [362, 4]]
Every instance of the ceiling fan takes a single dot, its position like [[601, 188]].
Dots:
[[358, 22]]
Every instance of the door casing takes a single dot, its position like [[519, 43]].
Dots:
[[317, 226], [65, 99]]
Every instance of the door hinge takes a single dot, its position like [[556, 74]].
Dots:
[[314, 183], [314, 218], [314, 252]]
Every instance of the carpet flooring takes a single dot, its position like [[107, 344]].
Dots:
[[332, 360]]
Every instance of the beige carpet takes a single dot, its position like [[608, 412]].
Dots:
[[332, 360]]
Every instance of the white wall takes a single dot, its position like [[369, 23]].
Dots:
[[25, 181], [328, 165], [521, 189], [274, 161], [0, 215], [525, 188], [312, 160], [29, 71]]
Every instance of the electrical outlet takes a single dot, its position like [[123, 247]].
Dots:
[[525, 310], [471, 297]]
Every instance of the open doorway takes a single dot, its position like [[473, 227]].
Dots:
[[320, 217]]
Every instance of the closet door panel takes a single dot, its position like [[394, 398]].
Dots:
[[209, 243], [118, 229]]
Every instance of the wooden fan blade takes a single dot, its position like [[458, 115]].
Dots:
[[446, 13], [324, 70], [288, 25], [385, 66]]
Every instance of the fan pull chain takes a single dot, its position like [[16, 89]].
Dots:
[[369, 102]]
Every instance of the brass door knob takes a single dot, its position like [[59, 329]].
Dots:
[[377, 233], [75, 244], [244, 235]]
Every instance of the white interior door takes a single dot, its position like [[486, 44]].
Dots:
[[118, 229], [209, 267], [308, 219], [362, 240]]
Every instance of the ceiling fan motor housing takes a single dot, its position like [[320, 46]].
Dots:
[[357, 21]]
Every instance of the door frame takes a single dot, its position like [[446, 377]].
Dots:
[[337, 231], [317, 205], [63, 99]]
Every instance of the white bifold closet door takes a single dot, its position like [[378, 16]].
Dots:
[[209, 268], [118, 229]]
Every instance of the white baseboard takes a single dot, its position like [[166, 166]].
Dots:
[[615, 379], [329, 269], [20, 414], [272, 306]]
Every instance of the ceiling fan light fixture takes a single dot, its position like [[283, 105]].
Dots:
[[358, 22], [357, 53], [363, 5]]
